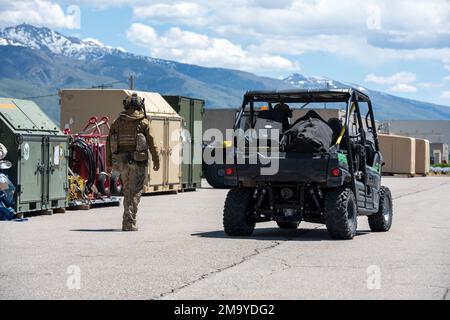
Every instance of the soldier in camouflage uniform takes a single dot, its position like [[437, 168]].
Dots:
[[127, 147]]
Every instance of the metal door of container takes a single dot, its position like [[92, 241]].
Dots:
[[197, 116], [157, 130], [173, 151], [31, 170], [186, 167], [57, 169]]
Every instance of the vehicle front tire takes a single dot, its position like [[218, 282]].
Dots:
[[237, 220], [341, 212], [382, 220], [288, 225]]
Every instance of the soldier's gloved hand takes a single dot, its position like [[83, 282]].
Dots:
[[156, 167]]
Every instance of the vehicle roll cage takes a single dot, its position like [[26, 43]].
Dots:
[[352, 97]]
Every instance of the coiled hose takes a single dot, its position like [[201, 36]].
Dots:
[[81, 145]]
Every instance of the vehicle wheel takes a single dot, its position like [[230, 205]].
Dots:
[[115, 184], [103, 184], [341, 212], [382, 220], [288, 225], [237, 220], [215, 175]]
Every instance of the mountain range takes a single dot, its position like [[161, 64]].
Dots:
[[36, 62]]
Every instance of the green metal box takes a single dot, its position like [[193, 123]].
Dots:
[[191, 110], [38, 151]]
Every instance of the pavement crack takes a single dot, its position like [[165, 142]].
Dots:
[[255, 253]]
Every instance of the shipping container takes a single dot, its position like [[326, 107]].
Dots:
[[78, 105], [38, 151], [399, 154], [191, 110], [422, 156]]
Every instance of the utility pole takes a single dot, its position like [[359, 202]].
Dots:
[[131, 79]]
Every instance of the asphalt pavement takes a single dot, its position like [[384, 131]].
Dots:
[[181, 252]]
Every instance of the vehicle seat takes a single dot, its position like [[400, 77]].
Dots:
[[335, 125], [370, 152], [275, 115]]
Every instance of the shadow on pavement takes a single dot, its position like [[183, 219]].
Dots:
[[273, 234], [97, 230]]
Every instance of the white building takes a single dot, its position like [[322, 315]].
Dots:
[[436, 131]]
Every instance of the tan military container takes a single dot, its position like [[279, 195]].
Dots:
[[78, 105], [422, 156], [399, 154]]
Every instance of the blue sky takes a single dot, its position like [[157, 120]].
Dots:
[[400, 47]]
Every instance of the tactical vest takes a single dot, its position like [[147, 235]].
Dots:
[[127, 132], [130, 137]]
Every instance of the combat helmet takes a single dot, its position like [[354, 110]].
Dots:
[[135, 102]]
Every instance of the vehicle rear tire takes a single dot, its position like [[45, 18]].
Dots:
[[215, 175], [237, 220], [288, 225], [341, 212], [382, 220]]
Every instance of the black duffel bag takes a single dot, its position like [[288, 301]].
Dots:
[[309, 134]]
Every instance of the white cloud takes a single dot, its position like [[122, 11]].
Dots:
[[370, 32], [403, 88], [445, 95], [182, 12], [386, 23], [195, 48], [430, 85], [398, 78], [446, 79], [401, 82], [37, 12], [142, 34]]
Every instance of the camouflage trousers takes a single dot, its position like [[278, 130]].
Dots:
[[133, 178]]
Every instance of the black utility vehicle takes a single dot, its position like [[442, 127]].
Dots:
[[327, 172]]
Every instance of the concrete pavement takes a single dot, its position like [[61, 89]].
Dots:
[[181, 252]]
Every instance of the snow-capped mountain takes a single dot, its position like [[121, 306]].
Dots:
[[36, 62], [48, 40]]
